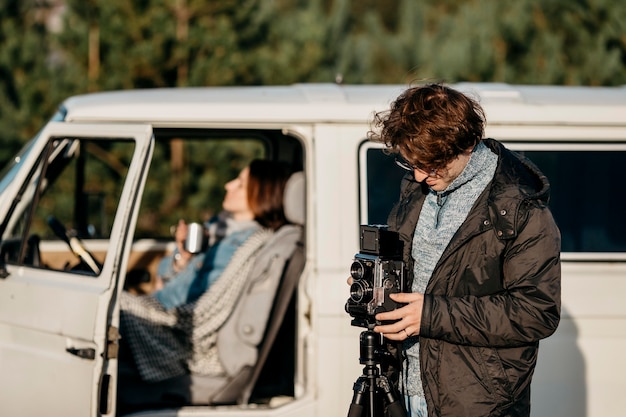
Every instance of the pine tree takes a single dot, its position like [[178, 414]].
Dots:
[[515, 41], [27, 94]]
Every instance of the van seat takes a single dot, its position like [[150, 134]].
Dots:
[[246, 338]]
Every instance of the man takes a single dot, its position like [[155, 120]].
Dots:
[[483, 259]]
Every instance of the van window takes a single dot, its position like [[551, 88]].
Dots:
[[71, 196], [379, 183], [586, 195], [186, 179], [585, 179]]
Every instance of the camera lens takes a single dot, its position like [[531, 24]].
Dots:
[[360, 292], [358, 270]]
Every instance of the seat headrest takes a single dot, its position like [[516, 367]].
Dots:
[[294, 198]]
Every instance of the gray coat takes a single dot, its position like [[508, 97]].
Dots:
[[493, 295]]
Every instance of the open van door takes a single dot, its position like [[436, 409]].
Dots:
[[67, 218]]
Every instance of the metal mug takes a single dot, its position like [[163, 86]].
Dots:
[[194, 242]]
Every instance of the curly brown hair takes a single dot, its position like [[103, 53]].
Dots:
[[430, 125]]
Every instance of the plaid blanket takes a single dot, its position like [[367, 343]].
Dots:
[[168, 343]]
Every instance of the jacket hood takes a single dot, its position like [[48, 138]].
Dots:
[[516, 170], [517, 185]]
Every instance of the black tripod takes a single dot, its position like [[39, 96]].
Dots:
[[366, 401]]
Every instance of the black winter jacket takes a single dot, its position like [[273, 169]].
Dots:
[[493, 295]]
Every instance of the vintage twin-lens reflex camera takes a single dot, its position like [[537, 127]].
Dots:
[[377, 271]]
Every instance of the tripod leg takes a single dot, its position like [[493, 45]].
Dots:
[[355, 410], [395, 407], [361, 387]]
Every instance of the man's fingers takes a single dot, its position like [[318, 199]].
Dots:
[[404, 297], [389, 328], [395, 336], [396, 314]]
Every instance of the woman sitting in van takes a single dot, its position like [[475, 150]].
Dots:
[[253, 200], [167, 342]]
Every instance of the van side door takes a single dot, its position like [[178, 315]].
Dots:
[[66, 226]]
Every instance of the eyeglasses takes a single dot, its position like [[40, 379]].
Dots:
[[406, 165]]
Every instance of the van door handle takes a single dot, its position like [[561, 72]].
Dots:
[[85, 353]]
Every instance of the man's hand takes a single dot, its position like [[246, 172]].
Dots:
[[409, 317]]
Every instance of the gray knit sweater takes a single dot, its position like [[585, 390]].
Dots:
[[441, 216]]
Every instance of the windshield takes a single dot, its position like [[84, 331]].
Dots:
[[13, 166], [9, 171]]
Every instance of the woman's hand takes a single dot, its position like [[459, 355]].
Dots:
[[409, 317]]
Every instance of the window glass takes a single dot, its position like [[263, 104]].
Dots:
[[71, 197], [586, 198], [12, 167], [87, 183], [382, 187]]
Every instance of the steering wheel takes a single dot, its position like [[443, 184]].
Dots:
[[75, 244]]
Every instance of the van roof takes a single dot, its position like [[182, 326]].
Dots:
[[332, 103]]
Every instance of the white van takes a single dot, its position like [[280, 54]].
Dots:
[[78, 212]]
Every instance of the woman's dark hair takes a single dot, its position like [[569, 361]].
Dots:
[[266, 185], [430, 125]]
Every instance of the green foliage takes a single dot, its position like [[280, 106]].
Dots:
[[26, 71], [526, 42]]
